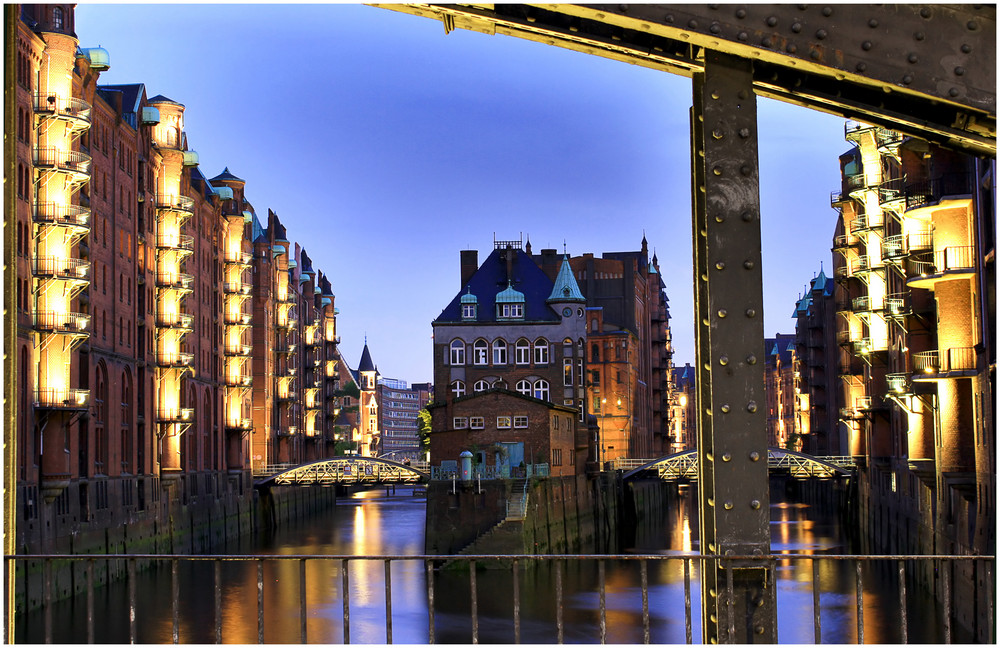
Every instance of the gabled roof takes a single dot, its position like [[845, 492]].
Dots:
[[565, 288], [162, 99], [491, 280]]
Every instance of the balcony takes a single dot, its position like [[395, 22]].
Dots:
[[866, 346], [928, 192], [856, 185], [285, 397], [239, 425], [853, 130], [845, 338], [62, 399], [175, 359], [183, 242], [843, 241], [75, 163], [238, 258], [958, 362], [174, 280], [74, 216], [237, 288], [239, 381], [891, 194], [865, 222], [898, 383], [288, 431], [897, 305], [73, 110], [888, 142], [175, 415], [238, 350], [61, 322], [176, 204], [237, 319], [951, 262], [63, 268], [181, 321]]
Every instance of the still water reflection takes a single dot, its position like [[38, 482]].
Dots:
[[380, 523]]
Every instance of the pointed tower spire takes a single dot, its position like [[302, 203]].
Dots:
[[565, 288]]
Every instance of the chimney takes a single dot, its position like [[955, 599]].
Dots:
[[470, 263]]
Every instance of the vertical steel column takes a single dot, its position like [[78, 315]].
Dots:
[[732, 436]]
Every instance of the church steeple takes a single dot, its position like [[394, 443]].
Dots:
[[565, 288]]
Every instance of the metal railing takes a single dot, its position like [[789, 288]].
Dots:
[[53, 213], [209, 568], [927, 363]]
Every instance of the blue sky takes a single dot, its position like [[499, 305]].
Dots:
[[386, 147]]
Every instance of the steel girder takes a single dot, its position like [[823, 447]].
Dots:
[[346, 471]]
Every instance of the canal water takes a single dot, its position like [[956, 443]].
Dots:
[[392, 523]]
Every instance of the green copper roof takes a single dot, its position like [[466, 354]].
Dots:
[[469, 298], [510, 296], [565, 288]]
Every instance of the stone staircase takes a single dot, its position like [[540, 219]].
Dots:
[[506, 536]]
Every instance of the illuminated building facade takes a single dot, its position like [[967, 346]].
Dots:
[[779, 387], [915, 270], [683, 421], [137, 310], [398, 406]]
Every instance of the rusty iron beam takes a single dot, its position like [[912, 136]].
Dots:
[[927, 71]]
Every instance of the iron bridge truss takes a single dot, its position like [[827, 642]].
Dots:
[[346, 471], [684, 465]]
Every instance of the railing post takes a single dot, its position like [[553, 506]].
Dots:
[[732, 436]]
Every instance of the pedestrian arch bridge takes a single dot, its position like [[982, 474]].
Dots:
[[684, 466], [344, 471]]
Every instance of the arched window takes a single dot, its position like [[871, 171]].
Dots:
[[595, 352], [522, 352], [126, 431], [458, 388], [480, 352], [541, 390], [499, 352], [524, 387], [101, 420], [541, 351], [500, 384], [480, 386], [457, 353], [567, 347]]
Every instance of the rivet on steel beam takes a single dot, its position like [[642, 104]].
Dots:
[[720, 265], [747, 216], [744, 133], [711, 592], [919, 36], [757, 552], [972, 25], [669, 18], [803, 7], [907, 79], [741, 13], [717, 170], [766, 42], [771, 21], [873, 23], [711, 501], [718, 134], [814, 55], [953, 92], [729, 552], [867, 45], [827, 12], [714, 95], [724, 360], [751, 312], [821, 34], [748, 265], [925, 13], [714, 618], [727, 457], [742, 36], [742, 94], [728, 505], [693, 24], [623, 8], [725, 409], [755, 504], [746, 170], [752, 406], [796, 27], [966, 48], [791, 48], [722, 312], [720, 218], [861, 66], [715, 29], [912, 57], [705, 322], [751, 359], [759, 629], [959, 71], [709, 456], [754, 456]]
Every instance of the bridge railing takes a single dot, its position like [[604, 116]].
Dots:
[[204, 574]]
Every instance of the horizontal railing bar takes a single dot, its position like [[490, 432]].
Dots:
[[469, 557]]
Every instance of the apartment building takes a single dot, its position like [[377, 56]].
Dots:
[[398, 405], [155, 331], [779, 388], [684, 412]]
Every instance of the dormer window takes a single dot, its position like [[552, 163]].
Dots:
[[510, 311], [510, 304], [468, 311]]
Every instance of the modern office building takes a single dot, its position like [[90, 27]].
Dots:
[[399, 405]]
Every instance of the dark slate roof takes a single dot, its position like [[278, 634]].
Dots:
[[324, 286], [279, 230], [196, 178], [162, 99], [491, 279], [226, 175], [307, 264], [258, 230], [131, 96], [366, 363], [513, 394]]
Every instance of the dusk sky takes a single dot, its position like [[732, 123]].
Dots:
[[386, 147]]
